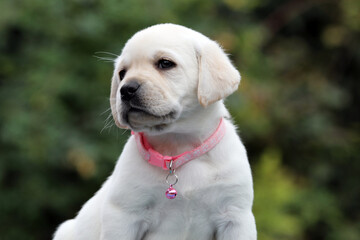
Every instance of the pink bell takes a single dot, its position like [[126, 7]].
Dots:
[[171, 192]]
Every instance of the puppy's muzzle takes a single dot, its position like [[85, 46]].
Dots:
[[128, 91]]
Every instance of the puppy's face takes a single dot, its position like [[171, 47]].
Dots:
[[157, 78]]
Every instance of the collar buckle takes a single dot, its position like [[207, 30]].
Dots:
[[159, 160]]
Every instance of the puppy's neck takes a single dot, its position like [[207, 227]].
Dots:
[[190, 131]]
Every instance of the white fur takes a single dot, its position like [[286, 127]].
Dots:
[[215, 191]]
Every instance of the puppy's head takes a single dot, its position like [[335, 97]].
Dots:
[[163, 73]]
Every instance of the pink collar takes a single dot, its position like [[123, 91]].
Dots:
[[156, 159]]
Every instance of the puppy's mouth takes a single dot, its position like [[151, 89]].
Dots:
[[141, 119], [170, 115]]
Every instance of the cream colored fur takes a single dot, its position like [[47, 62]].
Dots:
[[180, 107]]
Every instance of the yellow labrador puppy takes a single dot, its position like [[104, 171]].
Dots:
[[184, 173]]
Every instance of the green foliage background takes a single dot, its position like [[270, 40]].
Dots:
[[297, 106]]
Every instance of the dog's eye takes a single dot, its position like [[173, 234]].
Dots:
[[122, 74], [165, 64]]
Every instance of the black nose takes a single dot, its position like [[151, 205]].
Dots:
[[128, 91]]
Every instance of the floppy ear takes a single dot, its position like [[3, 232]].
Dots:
[[114, 111], [218, 78]]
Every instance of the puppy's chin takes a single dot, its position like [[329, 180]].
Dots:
[[144, 121]]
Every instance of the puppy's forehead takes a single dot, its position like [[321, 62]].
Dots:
[[164, 39]]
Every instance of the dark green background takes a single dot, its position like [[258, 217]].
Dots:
[[296, 107]]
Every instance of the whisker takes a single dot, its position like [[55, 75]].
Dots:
[[123, 131], [109, 53], [108, 123], [109, 109], [108, 128], [104, 59], [108, 119]]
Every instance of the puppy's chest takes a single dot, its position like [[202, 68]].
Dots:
[[189, 216]]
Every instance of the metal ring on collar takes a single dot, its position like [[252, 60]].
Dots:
[[176, 179]]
